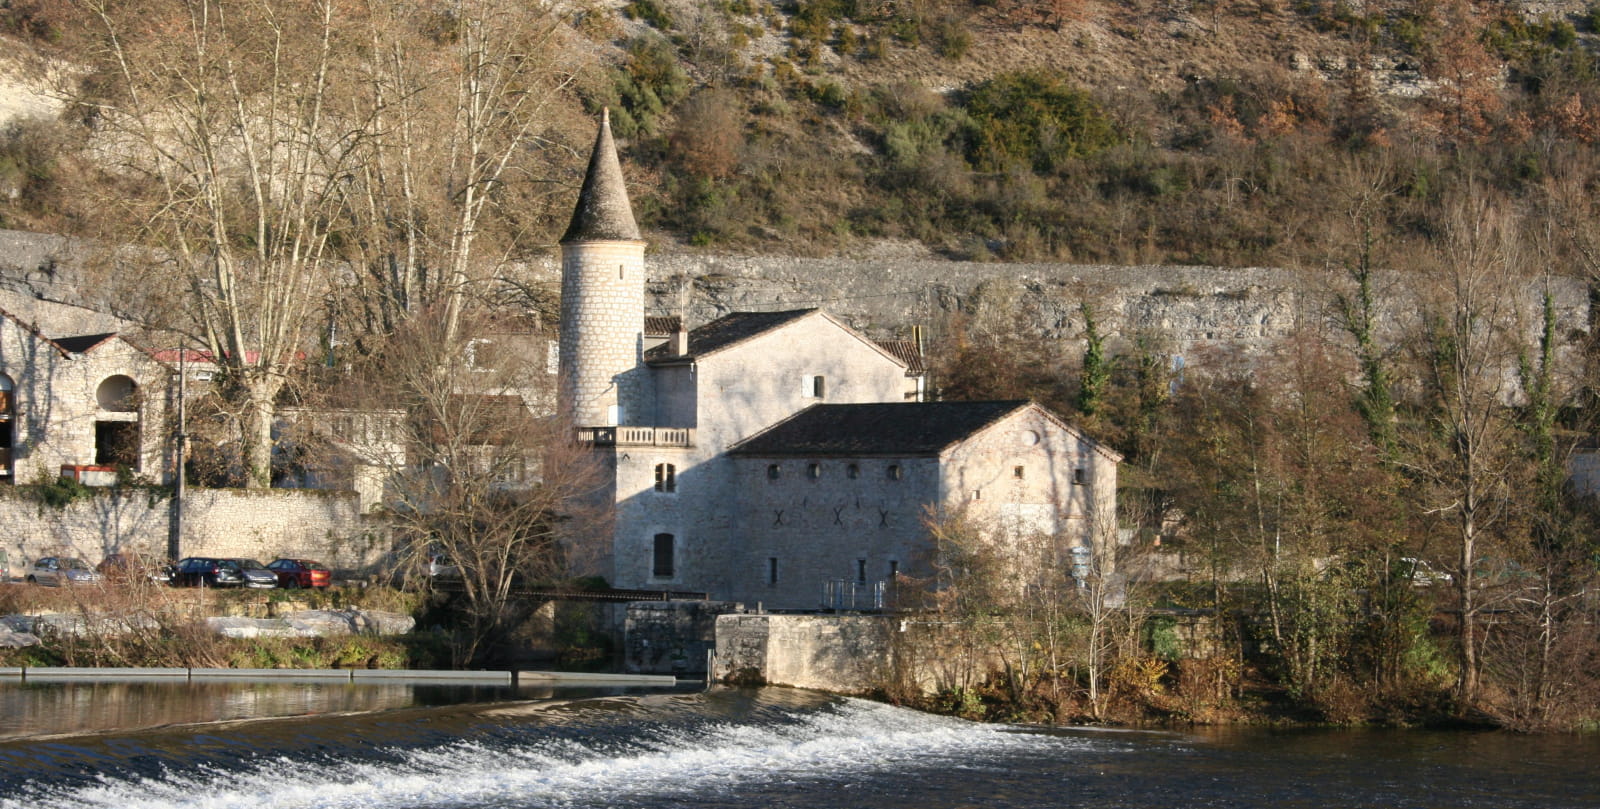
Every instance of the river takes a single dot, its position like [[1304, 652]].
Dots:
[[727, 748]]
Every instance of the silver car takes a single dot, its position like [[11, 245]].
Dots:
[[59, 570]]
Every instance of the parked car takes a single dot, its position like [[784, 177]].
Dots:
[[293, 573], [132, 567], [58, 570], [205, 571]]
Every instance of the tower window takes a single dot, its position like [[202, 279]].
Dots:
[[813, 470], [662, 564], [666, 477], [622, 272], [861, 571], [774, 471], [852, 471], [894, 471], [772, 570]]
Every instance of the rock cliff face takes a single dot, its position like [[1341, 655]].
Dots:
[[1191, 310]]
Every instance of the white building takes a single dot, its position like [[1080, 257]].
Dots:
[[783, 457]]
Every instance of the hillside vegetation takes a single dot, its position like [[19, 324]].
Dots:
[[361, 174], [1226, 133]]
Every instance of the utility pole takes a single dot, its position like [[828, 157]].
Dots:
[[175, 525]]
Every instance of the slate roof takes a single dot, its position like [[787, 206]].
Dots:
[[603, 212], [726, 331], [84, 342], [906, 352], [890, 428]]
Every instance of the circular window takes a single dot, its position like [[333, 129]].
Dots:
[[1028, 437]]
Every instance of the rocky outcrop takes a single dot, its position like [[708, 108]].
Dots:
[[891, 287]]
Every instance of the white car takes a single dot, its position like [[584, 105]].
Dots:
[[59, 570]]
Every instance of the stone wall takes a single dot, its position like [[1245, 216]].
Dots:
[[602, 308], [843, 653], [260, 524], [672, 637]]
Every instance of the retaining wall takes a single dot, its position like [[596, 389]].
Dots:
[[257, 523]]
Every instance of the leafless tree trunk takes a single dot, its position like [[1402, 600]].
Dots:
[[221, 122]]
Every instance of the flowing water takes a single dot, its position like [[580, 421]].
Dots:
[[764, 748]]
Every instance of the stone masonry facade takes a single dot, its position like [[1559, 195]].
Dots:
[[602, 335]]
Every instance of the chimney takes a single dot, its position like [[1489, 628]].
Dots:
[[680, 342]]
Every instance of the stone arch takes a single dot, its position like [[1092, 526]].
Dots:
[[118, 393], [8, 412], [116, 429]]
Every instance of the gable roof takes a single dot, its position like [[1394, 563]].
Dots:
[[729, 330], [887, 428], [603, 212], [83, 343], [907, 352], [662, 325], [736, 327]]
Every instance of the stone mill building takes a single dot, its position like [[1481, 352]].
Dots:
[[784, 458]]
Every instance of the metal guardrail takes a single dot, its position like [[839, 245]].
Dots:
[[843, 594]]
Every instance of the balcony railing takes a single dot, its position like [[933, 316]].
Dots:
[[637, 436], [843, 594]]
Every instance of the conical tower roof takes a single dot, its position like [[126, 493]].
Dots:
[[603, 212]]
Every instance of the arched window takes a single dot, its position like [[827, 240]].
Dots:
[[8, 407], [894, 471], [662, 565], [118, 394]]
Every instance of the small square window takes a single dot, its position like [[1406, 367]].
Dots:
[[894, 471], [774, 471], [852, 471], [1017, 472], [977, 494], [1079, 477], [813, 470]]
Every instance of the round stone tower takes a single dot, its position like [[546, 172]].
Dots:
[[602, 297]]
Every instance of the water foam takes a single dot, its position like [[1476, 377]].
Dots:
[[651, 763]]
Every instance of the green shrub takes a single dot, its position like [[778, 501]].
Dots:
[[651, 11], [1034, 118], [954, 39]]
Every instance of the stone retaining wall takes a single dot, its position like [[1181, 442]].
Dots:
[[261, 524]]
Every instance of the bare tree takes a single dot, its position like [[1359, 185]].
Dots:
[[220, 124], [473, 473], [463, 100], [1462, 447]]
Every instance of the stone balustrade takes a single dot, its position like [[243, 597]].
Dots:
[[637, 436]]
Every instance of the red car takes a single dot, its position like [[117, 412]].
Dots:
[[300, 573]]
